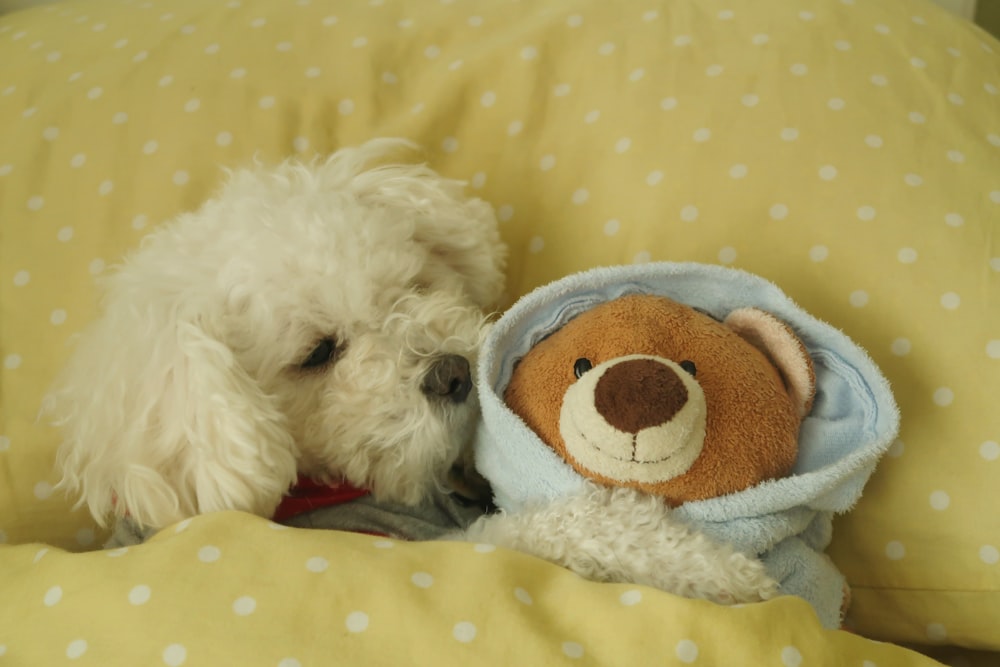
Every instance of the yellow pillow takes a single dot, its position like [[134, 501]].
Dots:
[[849, 151]]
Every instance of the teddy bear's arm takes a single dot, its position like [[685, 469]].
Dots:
[[622, 535]]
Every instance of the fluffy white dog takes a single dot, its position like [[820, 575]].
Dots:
[[312, 320]]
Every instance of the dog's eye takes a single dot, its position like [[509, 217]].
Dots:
[[689, 366], [581, 366], [321, 355]]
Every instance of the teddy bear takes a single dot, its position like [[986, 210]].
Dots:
[[680, 425]]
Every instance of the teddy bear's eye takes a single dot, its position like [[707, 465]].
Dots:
[[321, 355], [689, 366], [581, 366]]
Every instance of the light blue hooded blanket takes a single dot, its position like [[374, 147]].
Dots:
[[786, 522]]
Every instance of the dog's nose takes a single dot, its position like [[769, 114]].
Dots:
[[639, 393], [448, 378]]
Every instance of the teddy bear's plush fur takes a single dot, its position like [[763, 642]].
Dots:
[[316, 319], [656, 404]]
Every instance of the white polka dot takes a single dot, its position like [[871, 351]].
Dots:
[[536, 245], [836, 104], [738, 171], [995, 196], [842, 45], [882, 29], [53, 596], [943, 396], [505, 212], [819, 253], [514, 128], [268, 101], [642, 257], [689, 213], [990, 450], [954, 220], [150, 147], [606, 49], [405, 23], [686, 651], [76, 648], [623, 145], [484, 548], [789, 134], [238, 73], [828, 172], [917, 118], [65, 234], [650, 16], [120, 118], [50, 133], [212, 49], [630, 598], [192, 105], [989, 554], [57, 317], [991, 89], [478, 179], [778, 212], [4, 443], [523, 596], [488, 99], [956, 156], [879, 80], [181, 177], [799, 69], [859, 298], [956, 99], [317, 564], [874, 141], [611, 227], [529, 53], [636, 74], [464, 632], [654, 177], [258, 23], [901, 347], [331, 20], [906, 255], [42, 490], [668, 103], [940, 500], [572, 650], [953, 52], [244, 606], [993, 139], [950, 300], [361, 42], [289, 662], [913, 180], [682, 40], [383, 544], [35, 203], [5, 169], [919, 63], [224, 138], [29, 112], [174, 655], [562, 90], [283, 47], [432, 51], [760, 39], [936, 632], [702, 135], [475, 21], [791, 657], [449, 145], [422, 580], [95, 92], [727, 255], [300, 144], [896, 449], [106, 187], [22, 278], [139, 594], [580, 196], [209, 554], [714, 70], [993, 349], [12, 361], [313, 72]]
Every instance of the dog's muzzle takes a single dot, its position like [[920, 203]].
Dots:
[[448, 379]]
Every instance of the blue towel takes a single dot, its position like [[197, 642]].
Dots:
[[786, 522]]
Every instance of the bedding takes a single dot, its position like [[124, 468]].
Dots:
[[847, 151]]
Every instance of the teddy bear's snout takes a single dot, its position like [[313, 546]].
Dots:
[[636, 394]]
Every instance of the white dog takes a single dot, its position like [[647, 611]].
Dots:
[[310, 320]]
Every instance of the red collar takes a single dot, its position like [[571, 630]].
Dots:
[[308, 495]]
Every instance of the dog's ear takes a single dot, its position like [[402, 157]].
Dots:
[[161, 422], [460, 232]]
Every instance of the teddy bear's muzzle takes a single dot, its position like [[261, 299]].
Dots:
[[636, 418]]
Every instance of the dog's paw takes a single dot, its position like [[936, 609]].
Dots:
[[743, 580]]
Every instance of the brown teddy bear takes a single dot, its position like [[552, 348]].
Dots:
[[647, 393]]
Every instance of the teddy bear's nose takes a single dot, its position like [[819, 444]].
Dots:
[[448, 378], [639, 393]]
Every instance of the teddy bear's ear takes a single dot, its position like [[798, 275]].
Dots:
[[787, 352]]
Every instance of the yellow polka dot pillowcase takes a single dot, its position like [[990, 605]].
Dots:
[[848, 151]]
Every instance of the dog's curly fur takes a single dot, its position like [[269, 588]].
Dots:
[[286, 327]]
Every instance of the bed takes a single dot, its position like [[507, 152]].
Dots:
[[847, 150]]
